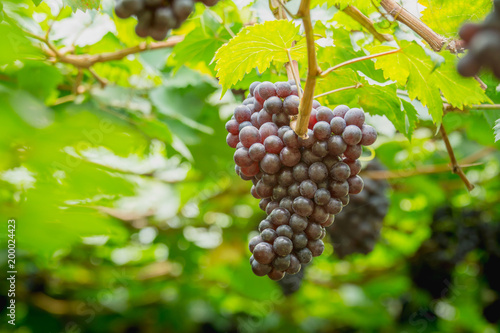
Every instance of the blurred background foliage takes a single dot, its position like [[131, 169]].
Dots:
[[130, 217]]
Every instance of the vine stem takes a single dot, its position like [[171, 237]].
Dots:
[[352, 61], [456, 169], [313, 71], [469, 161], [356, 86], [366, 22], [292, 68]]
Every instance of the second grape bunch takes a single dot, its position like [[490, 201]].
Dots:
[[301, 183]]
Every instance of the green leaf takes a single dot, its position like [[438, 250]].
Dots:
[[497, 130], [198, 46], [445, 17], [39, 79], [415, 69], [37, 2], [257, 46], [83, 4]]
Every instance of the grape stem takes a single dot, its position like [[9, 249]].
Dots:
[[469, 161], [357, 85], [352, 61], [366, 22], [313, 71], [292, 68], [456, 169]]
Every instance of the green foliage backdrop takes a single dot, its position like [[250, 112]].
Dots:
[[129, 216]]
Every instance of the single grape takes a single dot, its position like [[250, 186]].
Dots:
[[281, 263], [305, 256], [273, 144], [353, 152], [257, 151], [263, 203], [316, 247], [273, 105], [312, 119], [298, 223], [319, 215], [336, 145], [254, 119], [369, 135], [282, 130], [281, 119], [355, 184], [253, 242], [282, 246], [269, 179], [291, 105], [328, 222], [324, 114], [285, 231], [299, 240], [283, 89], [242, 113], [290, 157], [352, 134], [252, 87], [268, 235], [264, 190], [318, 172], [276, 275], [334, 206], [248, 101], [266, 89], [287, 203], [249, 135], [264, 118], [182, 8], [290, 139], [250, 171], [280, 216], [313, 231], [338, 125], [265, 224], [345, 200], [320, 148], [294, 190], [300, 172], [271, 207], [322, 196], [354, 165], [303, 206], [268, 129], [294, 265], [245, 124], [340, 111], [270, 163], [232, 127], [279, 192], [340, 171], [232, 140], [308, 188], [355, 116], [338, 189], [260, 269], [285, 177]]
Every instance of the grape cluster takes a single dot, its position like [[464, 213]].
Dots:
[[483, 42], [301, 182], [357, 227], [453, 236], [156, 17]]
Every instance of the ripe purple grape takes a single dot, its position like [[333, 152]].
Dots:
[[324, 114], [316, 247], [353, 152], [242, 113], [352, 134], [280, 216], [273, 105], [282, 263], [266, 89], [257, 151], [268, 235], [253, 242], [369, 135], [267, 130], [303, 206], [273, 144], [260, 269], [355, 116], [305, 256], [340, 111], [242, 158], [282, 246], [283, 89], [270, 163], [308, 188], [322, 196], [291, 105], [336, 145], [299, 240], [340, 171], [249, 135], [290, 157], [355, 184], [338, 125], [322, 130], [334, 206], [298, 223]]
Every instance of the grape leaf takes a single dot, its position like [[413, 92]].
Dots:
[[415, 69], [83, 5], [39, 79], [497, 130], [37, 2], [257, 46], [445, 17]]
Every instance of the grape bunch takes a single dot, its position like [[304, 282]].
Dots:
[[454, 234], [156, 17], [483, 42], [357, 227], [301, 182]]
